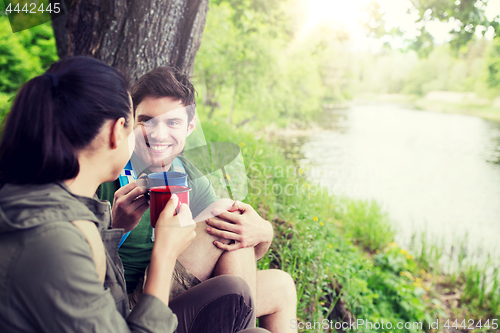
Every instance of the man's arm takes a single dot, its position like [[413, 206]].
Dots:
[[242, 224], [202, 266], [221, 204]]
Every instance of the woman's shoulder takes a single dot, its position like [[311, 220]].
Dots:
[[53, 243], [36, 230], [52, 268], [42, 257], [27, 206]]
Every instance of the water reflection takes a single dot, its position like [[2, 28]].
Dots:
[[439, 172], [292, 147]]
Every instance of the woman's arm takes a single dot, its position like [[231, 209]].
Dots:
[[170, 240], [55, 282], [54, 279]]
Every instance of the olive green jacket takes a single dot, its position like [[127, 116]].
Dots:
[[48, 278]]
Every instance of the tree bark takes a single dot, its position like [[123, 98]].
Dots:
[[61, 35], [135, 36], [59, 26]]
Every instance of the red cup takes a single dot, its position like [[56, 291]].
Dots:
[[159, 196]]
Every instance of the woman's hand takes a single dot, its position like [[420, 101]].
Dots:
[[129, 204], [242, 224], [174, 232], [170, 240]]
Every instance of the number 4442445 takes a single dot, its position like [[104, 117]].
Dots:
[[33, 8], [471, 324]]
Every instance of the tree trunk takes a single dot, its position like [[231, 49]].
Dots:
[[135, 36], [59, 25], [61, 35]]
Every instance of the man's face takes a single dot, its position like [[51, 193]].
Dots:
[[161, 130]]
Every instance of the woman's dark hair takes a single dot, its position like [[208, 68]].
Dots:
[[55, 115]]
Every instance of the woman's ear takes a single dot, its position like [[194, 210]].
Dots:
[[117, 133]]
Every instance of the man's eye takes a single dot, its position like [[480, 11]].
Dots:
[[149, 123], [174, 123]]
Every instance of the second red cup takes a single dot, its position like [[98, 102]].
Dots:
[[159, 196]]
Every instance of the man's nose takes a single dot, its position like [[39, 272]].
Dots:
[[160, 132]]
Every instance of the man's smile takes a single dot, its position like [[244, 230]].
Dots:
[[159, 148]]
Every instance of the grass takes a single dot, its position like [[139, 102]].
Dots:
[[464, 283]]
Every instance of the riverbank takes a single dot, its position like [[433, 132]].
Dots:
[[341, 252], [442, 102]]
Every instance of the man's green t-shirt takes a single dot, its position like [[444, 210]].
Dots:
[[135, 252]]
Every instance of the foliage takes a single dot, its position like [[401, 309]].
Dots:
[[395, 270], [375, 25], [493, 65], [252, 68], [467, 15], [23, 55], [248, 14], [394, 71]]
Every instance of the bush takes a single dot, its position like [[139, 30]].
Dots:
[[23, 55]]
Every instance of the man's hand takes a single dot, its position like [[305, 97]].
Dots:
[[129, 204], [242, 224]]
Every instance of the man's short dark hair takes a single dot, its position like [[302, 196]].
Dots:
[[165, 82]]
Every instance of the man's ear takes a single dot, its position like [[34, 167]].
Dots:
[[191, 126], [116, 133]]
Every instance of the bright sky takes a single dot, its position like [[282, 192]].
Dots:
[[347, 13]]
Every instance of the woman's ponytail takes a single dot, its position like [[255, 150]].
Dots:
[[56, 114]]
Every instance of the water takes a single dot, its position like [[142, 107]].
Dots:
[[430, 171]]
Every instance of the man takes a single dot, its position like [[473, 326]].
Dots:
[[230, 236]]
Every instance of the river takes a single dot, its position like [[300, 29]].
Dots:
[[429, 171]]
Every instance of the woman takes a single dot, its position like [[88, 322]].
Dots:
[[68, 131]]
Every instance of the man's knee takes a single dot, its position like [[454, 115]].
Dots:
[[233, 285], [224, 301], [287, 285]]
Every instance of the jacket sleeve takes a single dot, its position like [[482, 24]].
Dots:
[[56, 280]]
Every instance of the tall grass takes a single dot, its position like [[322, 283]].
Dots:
[[366, 224], [468, 273]]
